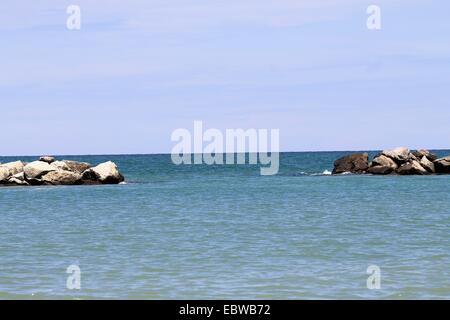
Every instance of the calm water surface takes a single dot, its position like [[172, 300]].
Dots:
[[213, 232]]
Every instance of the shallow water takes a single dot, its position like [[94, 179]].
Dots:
[[212, 232]]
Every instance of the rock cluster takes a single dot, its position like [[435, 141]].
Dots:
[[48, 171], [396, 161]]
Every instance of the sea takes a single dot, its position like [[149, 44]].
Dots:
[[226, 232]]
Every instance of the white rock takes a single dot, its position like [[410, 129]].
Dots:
[[4, 174], [106, 173], [400, 154], [13, 167], [427, 165], [62, 177], [36, 169]]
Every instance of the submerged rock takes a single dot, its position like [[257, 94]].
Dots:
[[355, 163]]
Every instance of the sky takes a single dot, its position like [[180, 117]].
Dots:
[[138, 70]]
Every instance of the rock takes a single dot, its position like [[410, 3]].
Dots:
[[17, 182], [13, 167], [427, 164], [425, 153], [355, 163], [411, 168], [105, 173], [50, 172], [378, 169], [20, 176], [384, 161], [412, 157], [4, 174], [61, 177], [78, 167], [47, 159], [399, 155], [18, 179], [36, 169], [61, 165], [442, 165]]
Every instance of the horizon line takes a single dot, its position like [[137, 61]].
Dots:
[[159, 153]]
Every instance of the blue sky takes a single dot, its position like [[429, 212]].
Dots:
[[137, 70]]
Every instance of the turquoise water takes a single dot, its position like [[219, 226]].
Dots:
[[213, 232]]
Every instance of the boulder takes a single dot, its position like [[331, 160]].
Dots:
[[18, 179], [105, 173], [17, 182], [427, 164], [384, 161], [410, 168], [425, 153], [47, 159], [13, 167], [20, 176], [442, 165], [4, 174], [36, 169], [379, 169], [61, 177], [412, 157], [399, 155], [61, 165], [76, 166], [355, 163]]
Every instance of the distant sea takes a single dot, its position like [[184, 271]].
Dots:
[[225, 232]]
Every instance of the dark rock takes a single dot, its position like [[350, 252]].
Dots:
[[412, 168], [380, 170], [34, 182], [425, 153], [355, 163], [76, 166], [442, 165]]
